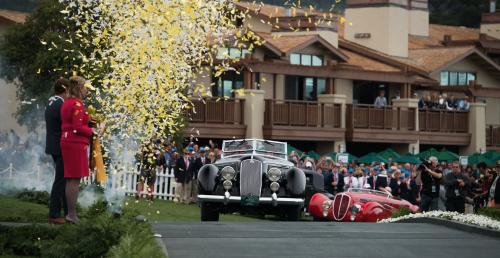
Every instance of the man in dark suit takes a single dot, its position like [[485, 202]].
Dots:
[[185, 167], [53, 148], [336, 179], [201, 160]]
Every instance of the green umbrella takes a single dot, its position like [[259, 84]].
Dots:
[[290, 148], [372, 157], [389, 153], [332, 155], [408, 158], [428, 153], [477, 158], [313, 154], [492, 155], [447, 156]]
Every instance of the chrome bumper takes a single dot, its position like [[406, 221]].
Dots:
[[237, 199]]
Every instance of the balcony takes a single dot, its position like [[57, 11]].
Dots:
[[366, 123], [217, 118], [444, 127], [302, 120], [493, 137]]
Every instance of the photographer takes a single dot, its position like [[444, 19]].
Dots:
[[456, 184], [430, 179]]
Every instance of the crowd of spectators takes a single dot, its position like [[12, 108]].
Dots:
[[443, 102], [431, 185], [184, 162]]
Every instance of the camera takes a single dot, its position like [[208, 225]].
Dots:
[[422, 166]]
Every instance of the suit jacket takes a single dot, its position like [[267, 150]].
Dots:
[[340, 182], [182, 173], [53, 126], [381, 181]]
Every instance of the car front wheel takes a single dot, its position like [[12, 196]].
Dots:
[[208, 212]]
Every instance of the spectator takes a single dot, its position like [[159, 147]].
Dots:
[[456, 189], [430, 178], [451, 103], [441, 103], [183, 173], [336, 180], [464, 105], [350, 181], [397, 184], [494, 193], [381, 101]]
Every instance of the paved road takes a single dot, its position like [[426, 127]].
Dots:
[[310, 239]]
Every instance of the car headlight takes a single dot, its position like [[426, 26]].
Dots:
[[326, 206], [356, 208], [228, 173], [274, 174], [274, 186], [227, 184]]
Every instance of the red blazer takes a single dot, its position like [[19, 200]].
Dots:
[[75, 122]]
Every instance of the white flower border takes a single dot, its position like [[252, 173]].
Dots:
[[472, 219]]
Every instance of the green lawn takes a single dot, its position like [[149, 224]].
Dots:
[[15, 210], [161, 210]]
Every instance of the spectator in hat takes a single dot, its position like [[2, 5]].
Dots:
[[350, 181], [184, 170], [200, 161]]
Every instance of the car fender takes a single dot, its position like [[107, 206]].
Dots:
[[316, 206], [374, 211], [296, 181], [206, 177]]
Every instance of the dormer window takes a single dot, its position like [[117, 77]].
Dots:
[[457, 78], [306, 59], [231, 52]]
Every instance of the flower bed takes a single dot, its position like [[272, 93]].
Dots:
[[471, 219]]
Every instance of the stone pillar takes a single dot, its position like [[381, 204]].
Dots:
[[405, 104], [335, 99], [253, 109], [477, 129]]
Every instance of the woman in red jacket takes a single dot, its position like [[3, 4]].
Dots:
[[75, 140]]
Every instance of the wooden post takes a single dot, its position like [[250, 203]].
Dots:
[[224, 111], [330, 86], [242, 111], [322, 114], [289, 113], [247, 80], [369, 122], [205, 110], [307, 114]]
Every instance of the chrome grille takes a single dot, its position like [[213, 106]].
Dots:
[[341, 204], [250, 177]]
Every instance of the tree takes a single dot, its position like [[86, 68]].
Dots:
[[457, 12], [35, 54]]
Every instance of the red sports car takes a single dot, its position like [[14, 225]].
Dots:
[[359, 205]]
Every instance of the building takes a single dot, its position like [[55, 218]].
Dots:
[[314, 80], [8, 99]]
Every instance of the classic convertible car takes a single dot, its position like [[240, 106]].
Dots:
[[359, 205], [254, 177]]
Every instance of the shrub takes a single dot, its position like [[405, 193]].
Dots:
[[25, 240], [493, 213], [403, 211], [40, 197]]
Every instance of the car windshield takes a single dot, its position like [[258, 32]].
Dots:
[[263, 147]]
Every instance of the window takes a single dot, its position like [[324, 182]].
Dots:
[[456, 78], [226, 84], [444, 79], [305, 59], [304, 88], [295, 59], [233, 53], [317, 61]]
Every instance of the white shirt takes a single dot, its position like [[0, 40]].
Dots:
[[351, 182]]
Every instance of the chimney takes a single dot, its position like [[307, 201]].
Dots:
[[419, 17], [385, 21], [490, 22]]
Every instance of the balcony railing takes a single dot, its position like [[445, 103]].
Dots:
[[302, 113], [493, 136], [444, 121], [386, 118], [217, 111]]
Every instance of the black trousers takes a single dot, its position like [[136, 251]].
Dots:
[[58, 193], [455, 204]]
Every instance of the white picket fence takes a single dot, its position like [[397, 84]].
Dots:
[[125, 179]]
